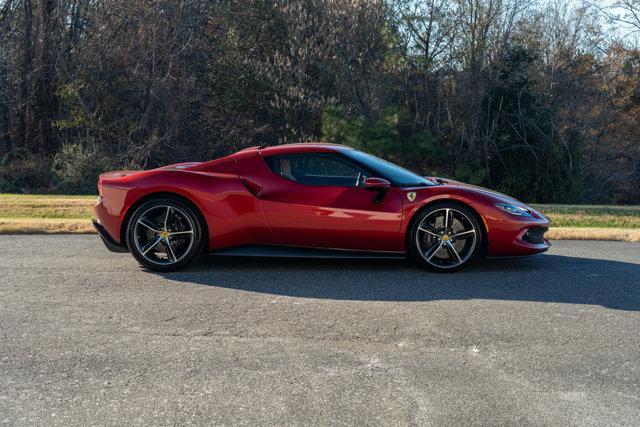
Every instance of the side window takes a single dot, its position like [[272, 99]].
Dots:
[[317, 169]]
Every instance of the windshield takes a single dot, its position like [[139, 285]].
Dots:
[[394, 173]]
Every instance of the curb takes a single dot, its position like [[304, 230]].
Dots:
[[84, 226]]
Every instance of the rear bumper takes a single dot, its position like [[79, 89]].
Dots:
[[108, 241]]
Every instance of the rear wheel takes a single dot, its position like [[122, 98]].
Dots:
[[165, 234], [445, 237]]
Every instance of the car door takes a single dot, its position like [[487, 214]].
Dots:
[[319, 200]]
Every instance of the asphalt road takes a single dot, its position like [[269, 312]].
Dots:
[[86, 336]]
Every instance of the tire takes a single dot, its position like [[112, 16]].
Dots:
[[165, 234], [443, 248]]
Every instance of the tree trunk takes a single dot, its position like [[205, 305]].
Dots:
[[27, 61], [45, 102]]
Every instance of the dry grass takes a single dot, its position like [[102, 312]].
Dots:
[[45, 226], [594, 233]]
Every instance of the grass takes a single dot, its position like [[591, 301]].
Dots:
[[592, 216], [46, 207], [72, 214], [36, 214]]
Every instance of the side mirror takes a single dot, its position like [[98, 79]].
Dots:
[[379, 185], [373, 183]]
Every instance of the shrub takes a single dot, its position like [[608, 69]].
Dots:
[[76, 169], [22, 172]]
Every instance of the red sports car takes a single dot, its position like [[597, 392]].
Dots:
[[308, 200]]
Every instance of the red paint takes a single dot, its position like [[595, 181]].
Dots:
[[243, 202]]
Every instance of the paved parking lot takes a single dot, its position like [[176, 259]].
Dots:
[[86, 336]]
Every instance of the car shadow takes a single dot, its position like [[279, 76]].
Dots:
[[545, 278]]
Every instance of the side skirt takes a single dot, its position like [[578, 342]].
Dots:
[[302, 252]]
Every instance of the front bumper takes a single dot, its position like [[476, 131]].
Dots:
[[108, 241], [511, 237], [531, 240]]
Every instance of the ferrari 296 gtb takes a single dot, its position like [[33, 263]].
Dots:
[[309, 199]]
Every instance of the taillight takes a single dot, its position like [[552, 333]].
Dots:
[[99, 190]]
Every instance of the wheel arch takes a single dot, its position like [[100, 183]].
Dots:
[[476, 214], [159, 194]]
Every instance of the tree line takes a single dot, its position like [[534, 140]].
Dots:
[[536, 98]]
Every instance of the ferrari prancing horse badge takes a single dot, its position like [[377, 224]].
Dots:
[[411, 195]]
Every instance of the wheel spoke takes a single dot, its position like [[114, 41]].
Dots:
[[174, 233], [450, 249], [427, 229], [446, 217], [166, 218], [463, 233], [168, 244], [149, 225], [150, 246], [433, 252]]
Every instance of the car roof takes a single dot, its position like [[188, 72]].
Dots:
[[304, 147]]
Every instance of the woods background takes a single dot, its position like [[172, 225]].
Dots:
[[537, 99]]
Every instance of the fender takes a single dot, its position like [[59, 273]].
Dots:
[[232, 214]]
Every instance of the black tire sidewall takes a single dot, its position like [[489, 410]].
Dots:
[[199, 238], [412, 247]]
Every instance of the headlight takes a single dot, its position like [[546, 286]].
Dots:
[[512, 209]]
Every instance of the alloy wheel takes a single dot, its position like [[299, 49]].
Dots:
[[163, 234], [446, 238]]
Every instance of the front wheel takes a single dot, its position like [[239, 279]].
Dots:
[[165, 234], [444, 237]]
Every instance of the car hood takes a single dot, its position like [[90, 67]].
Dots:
[[494, 196]]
